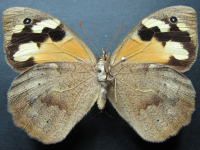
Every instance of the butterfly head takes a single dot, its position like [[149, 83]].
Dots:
[[104, 57], [100, 58]]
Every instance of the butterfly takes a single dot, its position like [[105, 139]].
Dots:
[[60, 78]]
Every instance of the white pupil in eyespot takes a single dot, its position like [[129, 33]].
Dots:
[[27, 21], [173, 19]]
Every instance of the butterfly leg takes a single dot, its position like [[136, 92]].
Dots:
[[115, 90]]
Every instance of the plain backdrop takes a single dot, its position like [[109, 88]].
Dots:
[[101, 20]]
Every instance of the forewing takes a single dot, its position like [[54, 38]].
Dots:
[[32, 37], [153, 98], [49, 99], [168, 36]]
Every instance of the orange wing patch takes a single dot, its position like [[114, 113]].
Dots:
[[139, 51], [65, 50]]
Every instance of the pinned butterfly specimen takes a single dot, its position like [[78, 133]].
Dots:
[[60, 79]]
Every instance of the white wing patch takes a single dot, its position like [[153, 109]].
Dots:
[[18, 28], [149, 23], [177, 50], [182, 26], [39, 26], [26, 51]]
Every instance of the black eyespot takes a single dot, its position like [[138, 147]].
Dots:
[[173, 19], [27, 21]]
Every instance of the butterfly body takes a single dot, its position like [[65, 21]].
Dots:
[[60, 79], [102, 76]]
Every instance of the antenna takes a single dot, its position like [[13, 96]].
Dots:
[[88, 38], [115, 36]]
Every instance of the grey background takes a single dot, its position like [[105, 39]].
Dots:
[[101, 20]]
